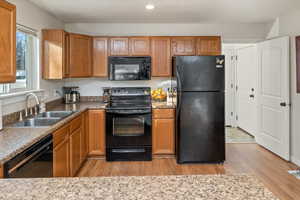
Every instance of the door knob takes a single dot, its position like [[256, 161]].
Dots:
[[284, 104], [251, 95]]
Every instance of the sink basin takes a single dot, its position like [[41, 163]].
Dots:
[[37, 122], [55, 114]]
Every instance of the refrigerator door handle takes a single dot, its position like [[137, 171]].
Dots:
[[179, 85]]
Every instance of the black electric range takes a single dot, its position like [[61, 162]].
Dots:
[[129, 125]]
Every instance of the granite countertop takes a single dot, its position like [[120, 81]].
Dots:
[[218, 187], [14, 140]]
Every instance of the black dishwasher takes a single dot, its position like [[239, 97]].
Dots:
[[34, 162]]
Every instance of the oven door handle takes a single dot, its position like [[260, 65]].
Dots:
[[31, 157], [130, 112]]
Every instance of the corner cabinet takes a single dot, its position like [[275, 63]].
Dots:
[[163, 132], [80, 56], [7, 42], [161, 57]]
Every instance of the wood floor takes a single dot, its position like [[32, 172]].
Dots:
[[241, 158]]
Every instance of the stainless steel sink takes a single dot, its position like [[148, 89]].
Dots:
[[37, 122], [55, 114]]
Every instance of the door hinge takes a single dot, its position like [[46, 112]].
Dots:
[[236, 57], [236, 88], [237, 117], [231, 113]]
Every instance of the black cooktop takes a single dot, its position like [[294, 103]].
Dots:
[[130, 98]]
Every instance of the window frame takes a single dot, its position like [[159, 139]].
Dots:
[[32, 74]]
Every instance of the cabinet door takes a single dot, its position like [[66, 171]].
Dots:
[[53, 59], [97, 132], [80, 56], [183, 46], [140, 46], [161, 57], [61, 165], [119, 46], [75, 153], [163, 136], [7, 42], [100, 52], [209, 46], [84, 138]]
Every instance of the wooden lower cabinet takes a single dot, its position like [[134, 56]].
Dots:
[[96, 132], [61, 161], [1, 171], [163, 132], [70, 147], [84, 137], [75, 156]]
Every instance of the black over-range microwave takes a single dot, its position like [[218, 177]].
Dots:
[[129, 68]]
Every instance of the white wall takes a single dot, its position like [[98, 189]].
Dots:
[[33, 17], [93, 87], [238, 33], [289, 25]]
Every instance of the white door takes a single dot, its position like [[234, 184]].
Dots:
[[274, 96], [247, 82]]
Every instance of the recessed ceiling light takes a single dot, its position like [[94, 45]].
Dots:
[[150, 6]]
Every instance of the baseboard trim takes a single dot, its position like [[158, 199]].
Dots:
[[295, 160]]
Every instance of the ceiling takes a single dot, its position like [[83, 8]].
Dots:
[[168, 11]]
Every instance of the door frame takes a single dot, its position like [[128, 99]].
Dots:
[[232, 48]]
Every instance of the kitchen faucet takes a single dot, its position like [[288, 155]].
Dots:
[[36, 106]]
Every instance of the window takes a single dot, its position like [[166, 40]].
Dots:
[[26, 63]]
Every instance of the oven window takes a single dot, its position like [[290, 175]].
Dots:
[[129, 126]]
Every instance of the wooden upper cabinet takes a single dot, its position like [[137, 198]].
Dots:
[[209, 46], [96, 132], [140, 46], [161, 57], [54, 54], [183, 46], [100, 57], [80, 56], [7, 42], [119, 46]]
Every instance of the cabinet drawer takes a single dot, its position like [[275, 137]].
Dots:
[[60, 135], [163, 113], [75, 124]]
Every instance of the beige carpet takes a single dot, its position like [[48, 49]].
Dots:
[[235, 135], [211, 187]]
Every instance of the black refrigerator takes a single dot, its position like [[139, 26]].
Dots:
[[200, 114]]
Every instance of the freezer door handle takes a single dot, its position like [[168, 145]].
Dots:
[[179, 86]]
